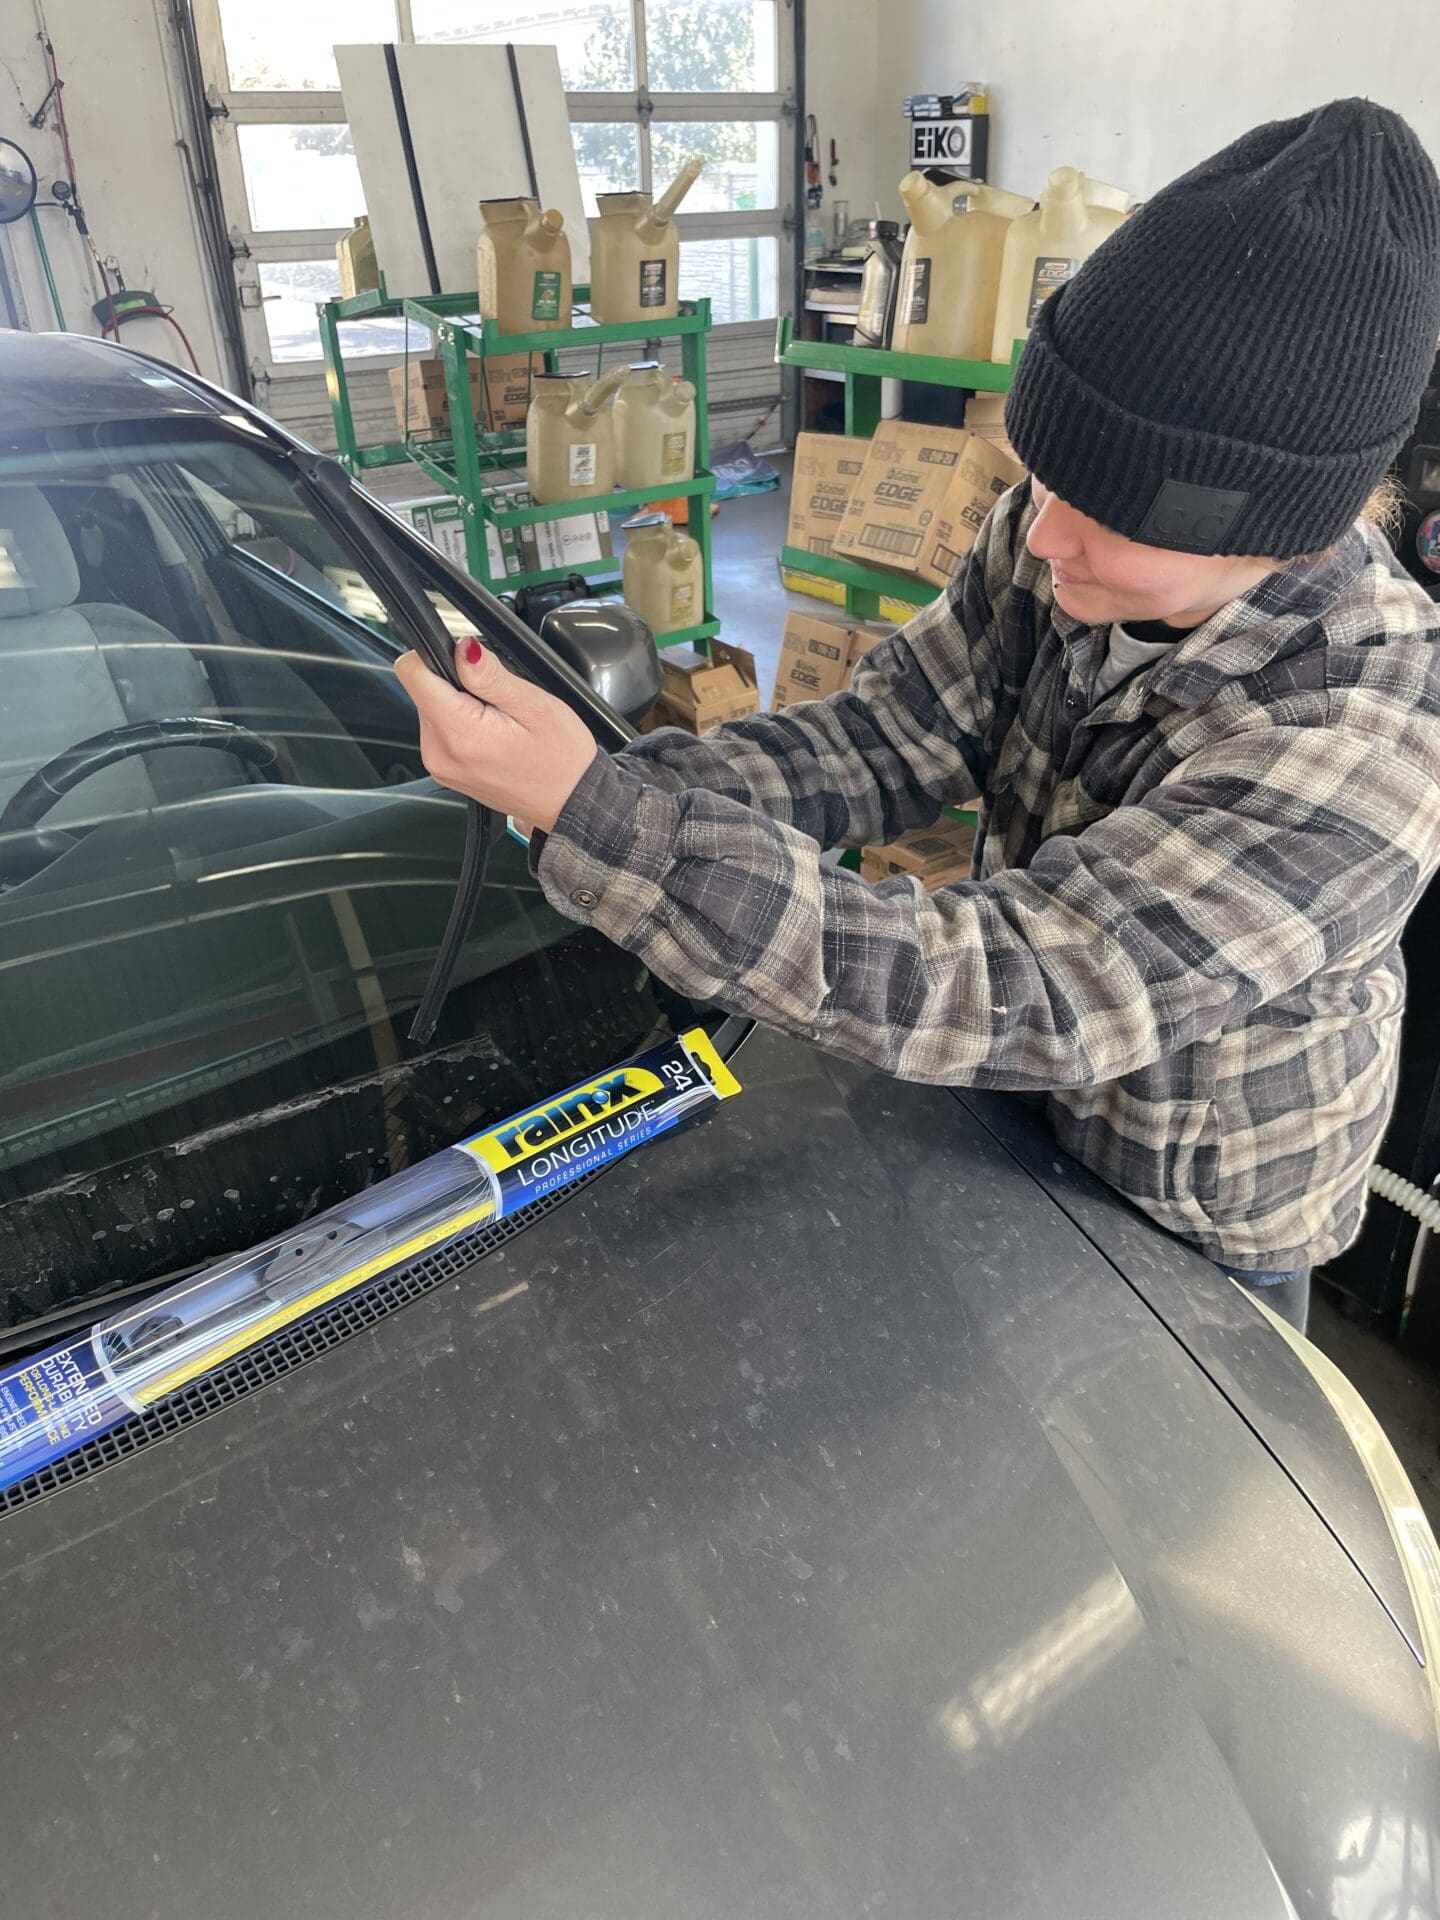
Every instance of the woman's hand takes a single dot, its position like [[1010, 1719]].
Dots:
[[503, 742]]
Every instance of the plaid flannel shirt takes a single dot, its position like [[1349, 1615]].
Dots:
[[1187, 897]]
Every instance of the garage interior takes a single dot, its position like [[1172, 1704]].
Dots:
[[217, 187]]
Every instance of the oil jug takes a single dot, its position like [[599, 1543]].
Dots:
[[879, 285], [654, 427], [522, 266], [950, 272], [635, 252], [1045, 248], [355, 256], [570, 437], [661, 576]]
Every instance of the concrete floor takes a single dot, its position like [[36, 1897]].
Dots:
[[751, 604]]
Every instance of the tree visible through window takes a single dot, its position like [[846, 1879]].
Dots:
[[706, 49]]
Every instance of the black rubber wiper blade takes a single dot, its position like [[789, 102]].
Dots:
[[480, 824]]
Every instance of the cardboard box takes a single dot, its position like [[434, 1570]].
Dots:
[[906, 475], [564, 543], [937, 856], [985, 415], [422, 405], [984, 473], [985, 410], [507, 388], [699, 694], [825, 470], [817, 657]]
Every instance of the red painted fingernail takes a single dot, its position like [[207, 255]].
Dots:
[[474, 652]]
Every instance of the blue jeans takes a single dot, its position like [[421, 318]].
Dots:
[[1287, 1294]]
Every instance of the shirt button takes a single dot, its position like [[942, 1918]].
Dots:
[[583, 897]]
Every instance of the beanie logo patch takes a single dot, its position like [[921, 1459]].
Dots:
[[1192, 519]]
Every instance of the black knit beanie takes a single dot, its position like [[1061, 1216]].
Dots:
[[1237, 365]]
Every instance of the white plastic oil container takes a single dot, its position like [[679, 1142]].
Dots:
[[355, 257], [635, 252], [522, 267], [950, 272], [661, 576], [570, 437], [654, 427], [1047, 247]]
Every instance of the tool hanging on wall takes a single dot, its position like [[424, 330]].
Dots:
[[812, 162], [834, 165]]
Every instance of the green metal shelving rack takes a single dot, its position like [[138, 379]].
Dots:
[[472, 458], [864, 369]]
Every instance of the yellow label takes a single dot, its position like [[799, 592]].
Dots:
[[556, 1120], [682, 605], [701, 1049], [672, 456]]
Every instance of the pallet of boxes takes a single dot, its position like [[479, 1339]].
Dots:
[[818, 657], [501, 399]]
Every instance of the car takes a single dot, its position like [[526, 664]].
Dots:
[[840, 1505]]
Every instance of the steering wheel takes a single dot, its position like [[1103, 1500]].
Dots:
[[30, 803]]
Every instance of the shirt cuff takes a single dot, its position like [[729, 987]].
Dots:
[[603, 860]]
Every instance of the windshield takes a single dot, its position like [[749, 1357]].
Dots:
[[224, 873]]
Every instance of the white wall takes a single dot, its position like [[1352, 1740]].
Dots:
[[842, 74], [1136, 91], [113, 57]]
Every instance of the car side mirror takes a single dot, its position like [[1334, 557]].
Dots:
[[610, 646]]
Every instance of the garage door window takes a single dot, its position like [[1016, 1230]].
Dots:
[[648, 82]]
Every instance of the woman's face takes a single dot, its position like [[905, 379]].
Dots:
[[1101, 577]]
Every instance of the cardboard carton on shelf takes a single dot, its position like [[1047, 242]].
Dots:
[[985, 415], [936, 856], [818, 656], [906, 475], [440, 519], [985, 471], [825, 470], [698, 694], [508, 378], [422, 404]]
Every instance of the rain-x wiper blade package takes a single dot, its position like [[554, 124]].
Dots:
[[62, 1398]]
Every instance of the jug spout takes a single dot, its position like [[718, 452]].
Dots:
[[663, 211], [928, 207], [552, 220], [595, 395], [1009, 206]]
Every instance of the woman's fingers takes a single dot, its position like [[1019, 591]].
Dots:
[[502, 741]]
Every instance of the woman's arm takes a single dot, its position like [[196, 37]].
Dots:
[[913, 733], [1235, 881]]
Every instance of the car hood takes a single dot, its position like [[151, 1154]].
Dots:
[[804, 1519]]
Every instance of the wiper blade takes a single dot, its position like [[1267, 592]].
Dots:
[[480, 823]]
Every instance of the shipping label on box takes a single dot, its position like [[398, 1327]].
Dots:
[[817, 658], [825, 470], [906, 475], [937, 856], [985, 472], [699, 694]]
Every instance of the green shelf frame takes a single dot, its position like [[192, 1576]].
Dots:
[[468, 460], [864, 368]]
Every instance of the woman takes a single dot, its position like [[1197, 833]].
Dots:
[[1196, 698]]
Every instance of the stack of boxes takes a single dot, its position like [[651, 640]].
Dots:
[[910, 500]]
